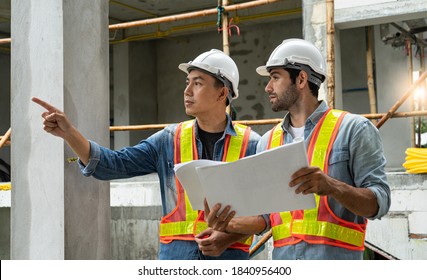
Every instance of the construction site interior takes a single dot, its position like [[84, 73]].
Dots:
[[376, 61]]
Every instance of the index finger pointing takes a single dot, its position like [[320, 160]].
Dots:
[[44, 104]]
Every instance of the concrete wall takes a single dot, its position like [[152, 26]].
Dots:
[[353, 59], [135, 217], [143, 76], [403, 231]]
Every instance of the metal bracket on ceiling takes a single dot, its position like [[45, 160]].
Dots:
[[400, 38]]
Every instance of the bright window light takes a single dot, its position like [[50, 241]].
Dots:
[[419, 94]]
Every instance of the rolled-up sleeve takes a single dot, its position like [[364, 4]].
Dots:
[[383, 200], [94, 157], [369, 165]]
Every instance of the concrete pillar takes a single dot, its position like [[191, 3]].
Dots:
[[314, 30], [121, 93], [60, 54]]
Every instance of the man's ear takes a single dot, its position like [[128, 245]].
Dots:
[[223, 94], [302, 79]]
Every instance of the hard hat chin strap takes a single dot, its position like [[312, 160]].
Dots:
[[227, 84], [313, 77]]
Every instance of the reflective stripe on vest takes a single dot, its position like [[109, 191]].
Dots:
[[183, 223], [318, 225]]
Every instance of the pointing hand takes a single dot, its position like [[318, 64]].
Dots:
[[55, 121]]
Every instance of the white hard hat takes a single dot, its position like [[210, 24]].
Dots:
[[297, 54], [218, 64]]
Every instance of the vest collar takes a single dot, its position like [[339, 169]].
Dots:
[[229, 128], [312, 119]]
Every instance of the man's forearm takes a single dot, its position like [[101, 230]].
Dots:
[[79, 144], [247, 225]]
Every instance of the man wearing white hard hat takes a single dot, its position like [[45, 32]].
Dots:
[[345, 152], [212, 83]]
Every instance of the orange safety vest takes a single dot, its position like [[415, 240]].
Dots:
[[318, 225], [183, 223]]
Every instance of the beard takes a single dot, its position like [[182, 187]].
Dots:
[[286, 99]]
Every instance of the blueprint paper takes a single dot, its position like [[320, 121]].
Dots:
[[254, 185], [187, 176]]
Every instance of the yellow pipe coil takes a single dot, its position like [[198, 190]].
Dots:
[[5, 186], [416, 160]]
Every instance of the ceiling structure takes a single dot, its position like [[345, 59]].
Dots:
[[132, 10], [123, 11]]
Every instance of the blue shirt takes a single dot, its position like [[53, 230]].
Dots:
[[153, 155], [156, 155], [356, 159]]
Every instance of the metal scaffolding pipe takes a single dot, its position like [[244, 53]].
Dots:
[[263, 122], [404, 97], [330, 45], [178, 17], [189, 15], [5, 137], [5, 41], [225, 39], [370, 70], [411, 79]]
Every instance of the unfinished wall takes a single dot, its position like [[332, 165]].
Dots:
[[143, 77], [403, 231], [135, 218], [354, 74]]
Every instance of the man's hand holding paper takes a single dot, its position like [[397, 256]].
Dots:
[[252, 185]]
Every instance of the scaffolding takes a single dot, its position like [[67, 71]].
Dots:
[[223, 7]]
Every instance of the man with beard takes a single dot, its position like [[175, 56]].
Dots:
[[346, 172]]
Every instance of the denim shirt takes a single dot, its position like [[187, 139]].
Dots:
[[356, 159], [152, 155]]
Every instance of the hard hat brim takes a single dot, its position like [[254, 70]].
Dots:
[[262, 70], [184, 67]]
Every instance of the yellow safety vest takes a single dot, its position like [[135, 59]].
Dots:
[[318, 225], [183, 223]]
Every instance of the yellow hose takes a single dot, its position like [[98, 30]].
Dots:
[[5, 186], [416, 160]]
